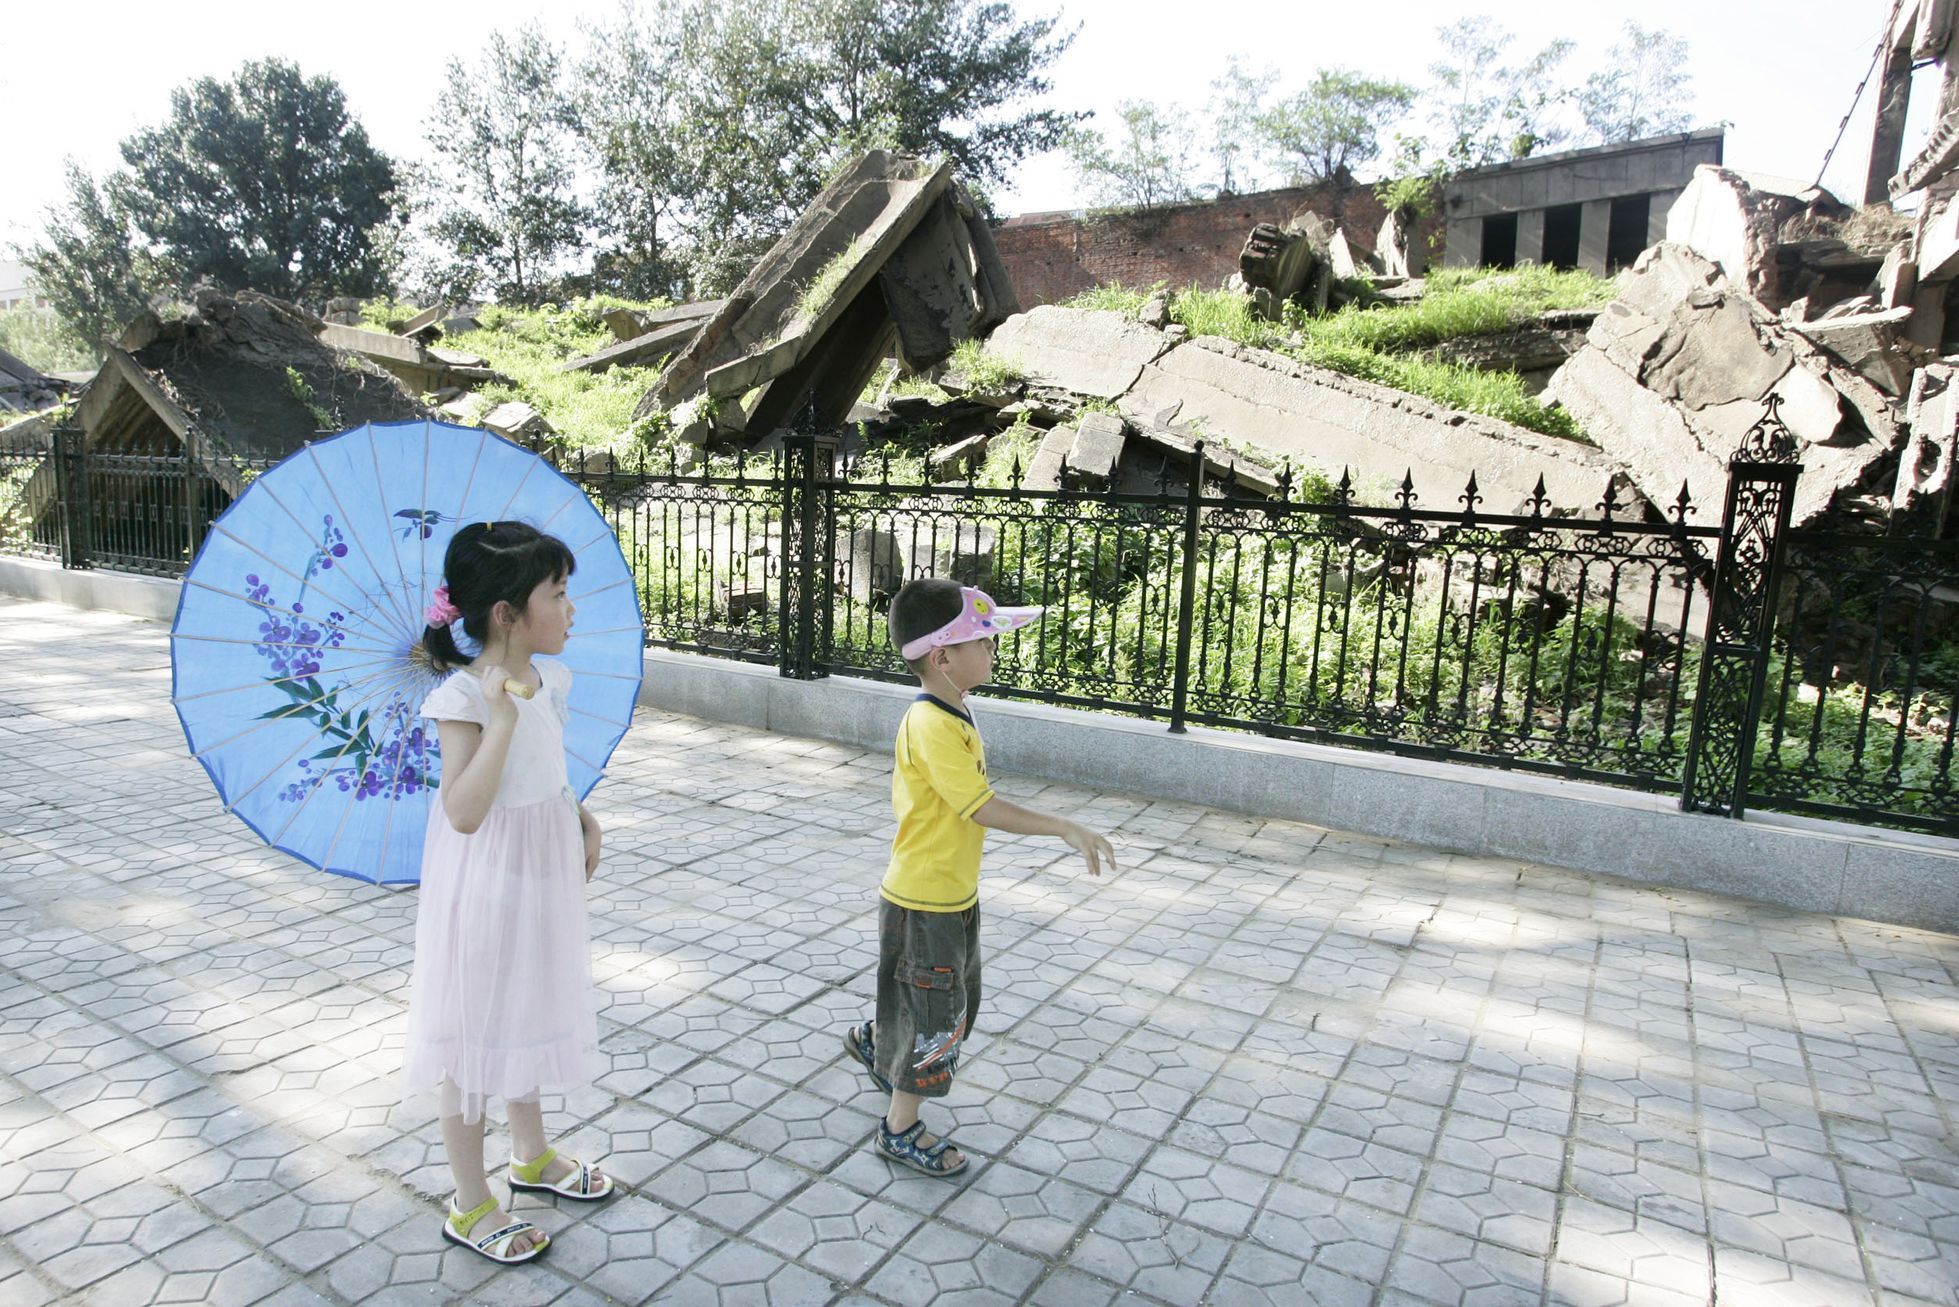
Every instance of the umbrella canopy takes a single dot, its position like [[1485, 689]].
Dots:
[[295, 653]]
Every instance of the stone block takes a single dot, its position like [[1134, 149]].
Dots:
[[1043, 472], [1097, 447]]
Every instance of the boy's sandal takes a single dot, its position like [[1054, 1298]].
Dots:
[[857, 1042], [458, 1225], [582, 1184], [907, 1147]]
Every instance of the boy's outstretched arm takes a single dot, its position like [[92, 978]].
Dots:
[[998, 814]]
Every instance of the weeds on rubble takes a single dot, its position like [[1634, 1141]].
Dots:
[[531, 346], [816, 296], [1120, 299], [983, 371], [389, 315]]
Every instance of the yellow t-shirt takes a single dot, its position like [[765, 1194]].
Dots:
[[938, 783]]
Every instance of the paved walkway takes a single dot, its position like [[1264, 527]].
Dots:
[[1266, 1063]]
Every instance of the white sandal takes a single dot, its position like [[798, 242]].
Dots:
[[582, 1185], [496, 1246]]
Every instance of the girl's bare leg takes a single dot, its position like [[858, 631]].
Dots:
[[527, 1140], [462, 1140]]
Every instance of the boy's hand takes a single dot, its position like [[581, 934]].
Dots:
[[1095, 850]]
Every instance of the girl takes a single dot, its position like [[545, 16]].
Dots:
[[501, 1002]]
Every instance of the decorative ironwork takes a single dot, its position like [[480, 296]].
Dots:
[[1533, 639], [1734, 664]]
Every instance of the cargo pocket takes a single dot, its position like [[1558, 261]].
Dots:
[[938, 1021]]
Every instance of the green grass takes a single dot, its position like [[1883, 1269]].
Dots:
[[816, 296], [985, 371], [530, 346], [1120, 299]]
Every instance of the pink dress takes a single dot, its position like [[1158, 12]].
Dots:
[[501, 1004]]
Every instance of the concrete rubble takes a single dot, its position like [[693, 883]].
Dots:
[[893, 255], [1683, 363]]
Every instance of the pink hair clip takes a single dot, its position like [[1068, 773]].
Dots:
[[440, 611]]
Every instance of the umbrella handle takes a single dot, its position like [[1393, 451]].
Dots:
[[518, 688]]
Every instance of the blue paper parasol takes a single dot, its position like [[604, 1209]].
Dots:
[[294, 654]]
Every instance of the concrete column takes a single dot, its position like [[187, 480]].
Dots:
[[1660, 204], [1888, 135], [1462, 243], [1594, 225], [1530, 237]]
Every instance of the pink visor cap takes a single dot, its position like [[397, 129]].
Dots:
[[979, 617]]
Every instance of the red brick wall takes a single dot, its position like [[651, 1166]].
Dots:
[[1052, 258]]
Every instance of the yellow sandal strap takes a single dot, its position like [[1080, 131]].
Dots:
[[464, 1222], [532, 1171]]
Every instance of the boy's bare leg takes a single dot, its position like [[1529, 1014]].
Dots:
[[903, 1114]]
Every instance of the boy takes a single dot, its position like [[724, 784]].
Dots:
[[928, 971]]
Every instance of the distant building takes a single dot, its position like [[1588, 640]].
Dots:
[[14, 290], [1594, 209]]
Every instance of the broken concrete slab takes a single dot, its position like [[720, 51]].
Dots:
[[1736, 219], [805, 283], [1328, 421], [1094, 352], [416, 365], [631, 324], [647, 348], [1680, 405], [1220, 464], [1097, 447], [1867, 344], [938, 286]]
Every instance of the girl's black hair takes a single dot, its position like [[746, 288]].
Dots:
[[487, 562], [921, 607]]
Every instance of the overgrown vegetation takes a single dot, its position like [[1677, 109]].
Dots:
[[1382, 343], [40, 339], [983, 371], [530, 346]]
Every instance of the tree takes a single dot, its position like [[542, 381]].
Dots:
[[503, 208], [1487, 111], [718, 121], [1147, 166], [265, 182], [92, 277], [942, 78], [1324, 131], [1642, 90], [1239, 100]]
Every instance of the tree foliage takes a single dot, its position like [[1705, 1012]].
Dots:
[[84, 263], [502, 201], [1641, 91], [714, 122], [1147, 164], [1325, 131], [263, 181], [1239, 100], [1488, 111]]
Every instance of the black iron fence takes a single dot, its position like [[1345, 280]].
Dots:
[[1737, 664]]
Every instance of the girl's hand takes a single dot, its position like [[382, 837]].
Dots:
[[589, 825], [502, 707], [1094, 848]]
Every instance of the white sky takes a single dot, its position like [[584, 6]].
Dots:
[[1781, 74]]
